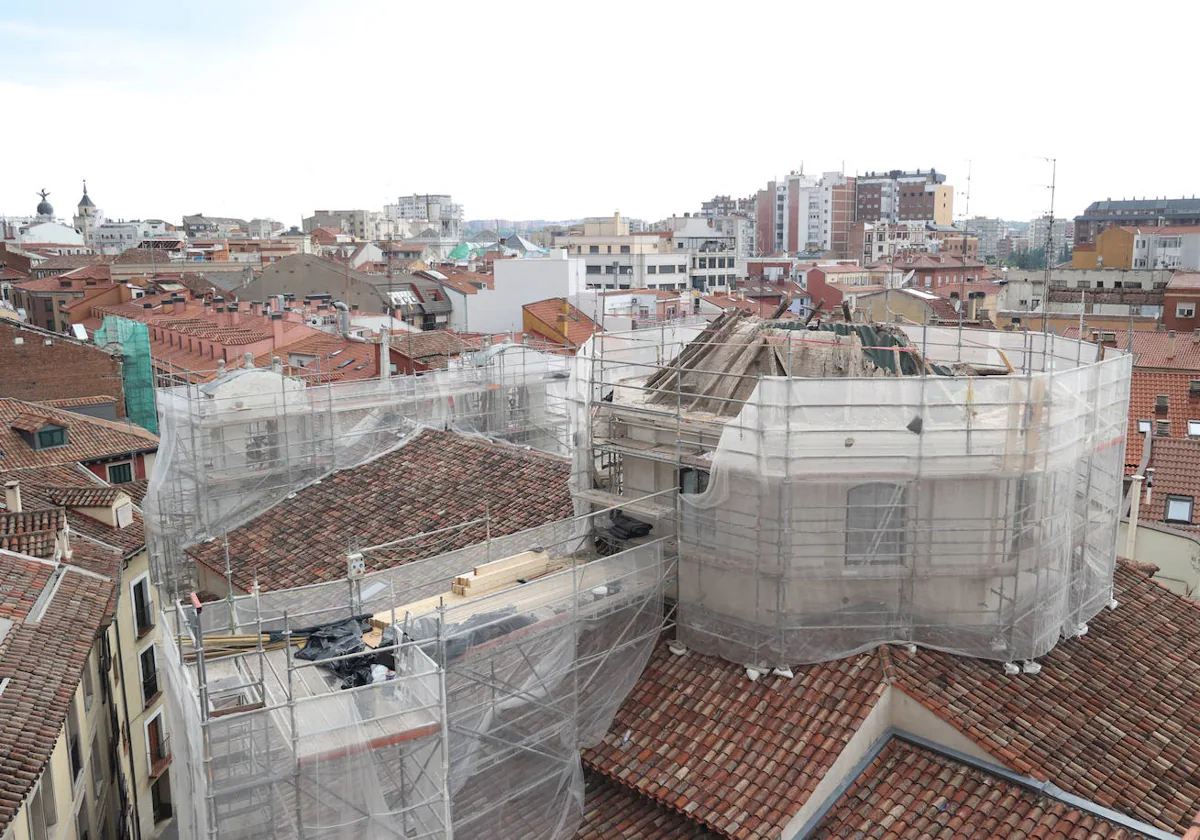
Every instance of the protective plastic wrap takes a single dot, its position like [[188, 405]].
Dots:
[[480, 728], [233, 447], [976, 515]]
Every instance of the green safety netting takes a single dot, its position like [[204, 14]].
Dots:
[[137, 371]]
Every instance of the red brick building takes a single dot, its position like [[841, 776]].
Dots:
[[1181, 302], [39, 366]]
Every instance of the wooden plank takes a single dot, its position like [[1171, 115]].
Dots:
[[482, 584], [511, 561]]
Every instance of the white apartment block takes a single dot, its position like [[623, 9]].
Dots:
[[1169, 247], [440, 211]]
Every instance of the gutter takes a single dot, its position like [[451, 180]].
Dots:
[[1027, 782]]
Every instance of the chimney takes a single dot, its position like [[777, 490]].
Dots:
[[234, 315], [1170, 344], [221, 322], [385, 353], [179, 304], [1196, 336], [277, 329], [12, 496], [256, 307]]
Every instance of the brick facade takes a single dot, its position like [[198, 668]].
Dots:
[[37, 366]]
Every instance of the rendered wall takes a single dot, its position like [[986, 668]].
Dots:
[[833, 521]]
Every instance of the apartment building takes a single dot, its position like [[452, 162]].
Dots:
[[438, 210], [1142, 212], [899, 196], [616, 258], [803, 213]]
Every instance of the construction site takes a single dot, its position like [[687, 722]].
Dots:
[[775, 492]]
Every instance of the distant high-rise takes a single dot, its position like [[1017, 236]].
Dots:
[[439, 209], [801, 213], [1137, 212], [898, 196]]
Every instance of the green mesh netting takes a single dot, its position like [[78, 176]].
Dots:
[[137, 370]]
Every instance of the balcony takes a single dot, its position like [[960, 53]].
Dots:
[[160, 756]]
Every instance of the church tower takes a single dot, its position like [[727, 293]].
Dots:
[[87, 217]]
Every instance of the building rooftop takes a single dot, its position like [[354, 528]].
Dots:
[[432, 348], [1145, 387], [87, 438], [1147, 207], [435, 480], [612, 811], [1184, 281], [912, 791], [1113, 717], [579, 327], [1176, 466], [59, 607], [1152, 348]]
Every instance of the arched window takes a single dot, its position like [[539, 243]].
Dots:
[[876, 520]]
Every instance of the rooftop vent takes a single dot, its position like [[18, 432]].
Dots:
[[1162, 428]]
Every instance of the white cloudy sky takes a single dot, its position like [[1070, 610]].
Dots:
[[545, 110]]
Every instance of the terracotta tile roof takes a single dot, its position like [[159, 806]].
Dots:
[[75, 402], [88, 438], [910, 791], [1145, 387], [1151, 348], [1114, 715], [11, 274], [64, 283], [1176, 465], [70, 261], [136, 490], [41, 688], [433, 348], [337, 359], [612, 811], [28, 421], [739, 757], [31, 532], [436, 480], [81, 495], [579, 326], [66, 487]]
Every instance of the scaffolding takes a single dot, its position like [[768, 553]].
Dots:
[[137, 370], [474, 732], [851, 485], [236, 445]]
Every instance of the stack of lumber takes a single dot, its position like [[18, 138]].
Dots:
[[216, 646], [501, 574]]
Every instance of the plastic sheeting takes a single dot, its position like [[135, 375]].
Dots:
[[976, 515], [530, 675], [233, 447], [137, 369]]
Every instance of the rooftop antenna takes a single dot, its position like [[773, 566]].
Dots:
[[1049, 241], [962, 297]]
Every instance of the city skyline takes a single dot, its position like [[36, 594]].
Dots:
[[277, 110]]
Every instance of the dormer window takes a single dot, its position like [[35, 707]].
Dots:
[[51, 436]]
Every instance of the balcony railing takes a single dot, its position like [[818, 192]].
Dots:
[[160, 757]]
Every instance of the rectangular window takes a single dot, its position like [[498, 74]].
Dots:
[[876, 516], [666, 269], [120, 473], [593, 269], [42, 813], [49, 304], [1179, 509], [651, 269], [693, 480], [1144, 427], [143, 606], [1194, 428], [149, 666], [593, 249], [1185, 310], [48, 438], [74, 745], [624, 249]]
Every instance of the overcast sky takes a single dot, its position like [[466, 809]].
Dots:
[[534, 110]]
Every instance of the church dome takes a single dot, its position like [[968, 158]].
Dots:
[[45, 208]]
